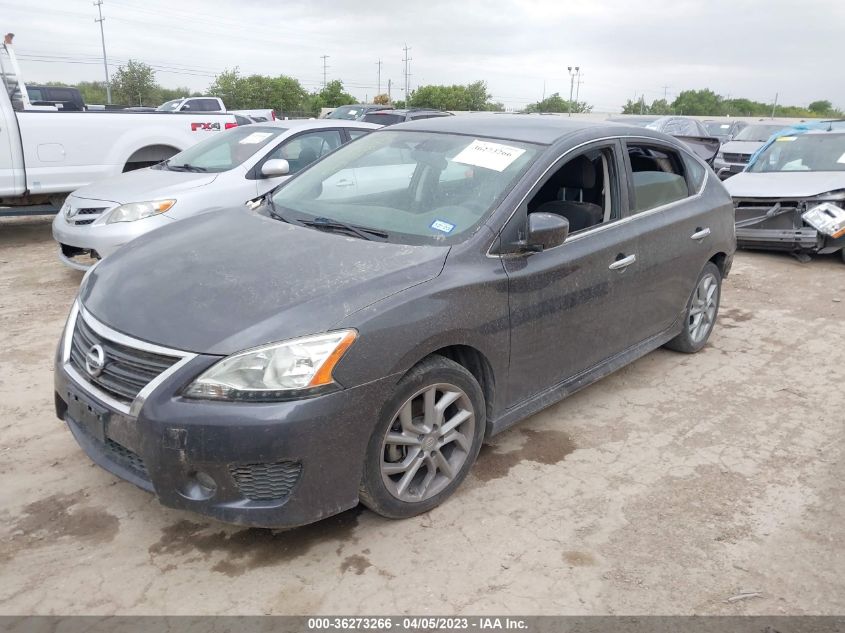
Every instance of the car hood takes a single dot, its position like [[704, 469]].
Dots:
[[144, 184], [784, 184], [230, 280], [741, 147]]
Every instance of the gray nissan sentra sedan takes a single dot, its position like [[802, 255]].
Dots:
[[359, 334]]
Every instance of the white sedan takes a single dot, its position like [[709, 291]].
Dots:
[[226, 170]]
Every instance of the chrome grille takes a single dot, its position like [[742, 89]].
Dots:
[[127, 370], [266, 482]]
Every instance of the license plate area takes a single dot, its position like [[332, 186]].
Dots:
[[89, 415]]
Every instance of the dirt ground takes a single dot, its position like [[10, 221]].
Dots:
[[667, 488]]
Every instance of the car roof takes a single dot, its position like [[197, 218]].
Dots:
[[528, 128], [315, 124]]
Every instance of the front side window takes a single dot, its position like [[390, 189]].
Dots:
[[353, 134], [658, 176], [303, 150], [803, 152], [584, 190], [413, 187], [223, 151]]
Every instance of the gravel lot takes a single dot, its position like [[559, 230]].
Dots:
[[667, 488]]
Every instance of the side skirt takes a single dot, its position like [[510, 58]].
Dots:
[[555, 394]]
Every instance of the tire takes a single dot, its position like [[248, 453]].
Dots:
[[415, 462], [701, 304]]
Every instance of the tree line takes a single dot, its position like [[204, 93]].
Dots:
[[134, 84], [707, 103]]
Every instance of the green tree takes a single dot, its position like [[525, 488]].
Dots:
[[660, 106], [698, 103], [635, 107], [134, 84], [556, 103], [470, 97], [381, 99], [333, 95], [820, 108], [281, 93]]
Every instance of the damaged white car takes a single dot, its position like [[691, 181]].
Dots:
[[792, 195]]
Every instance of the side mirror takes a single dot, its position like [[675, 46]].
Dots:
[[546, 230], [275, 167]]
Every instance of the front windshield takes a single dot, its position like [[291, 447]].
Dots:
[[417, 187], [757, 132], [350, 113], [717, 128], [169, 106], [224, 150], [803, 152]]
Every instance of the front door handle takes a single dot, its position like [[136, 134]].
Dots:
[[622, 264], [344, 183], [700, 234]]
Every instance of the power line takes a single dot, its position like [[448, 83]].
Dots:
[[99, 5]]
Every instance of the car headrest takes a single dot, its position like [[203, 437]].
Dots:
[[578, 173]]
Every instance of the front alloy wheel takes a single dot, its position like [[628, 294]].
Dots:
[[426, 441]]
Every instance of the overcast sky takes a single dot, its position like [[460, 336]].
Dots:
[[749, 48]]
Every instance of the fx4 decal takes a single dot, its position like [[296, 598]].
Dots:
[[205, 126]]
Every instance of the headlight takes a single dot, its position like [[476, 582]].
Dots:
[[138, 210], [275, 372]]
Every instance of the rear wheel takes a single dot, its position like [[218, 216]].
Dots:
[[702, 308], [426, 441]]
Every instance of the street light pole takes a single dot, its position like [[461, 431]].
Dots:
[[572, 75]]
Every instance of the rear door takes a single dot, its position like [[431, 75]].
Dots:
[[675, 225]]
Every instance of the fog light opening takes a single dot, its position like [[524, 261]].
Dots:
[[198, 486]]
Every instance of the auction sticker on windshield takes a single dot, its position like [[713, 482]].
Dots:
[[440, 225], [255, 137], [493, 156]]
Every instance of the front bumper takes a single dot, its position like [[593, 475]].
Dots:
[[98, 240], [266, 465]]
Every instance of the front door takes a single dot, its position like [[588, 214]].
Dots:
[[570, 305]]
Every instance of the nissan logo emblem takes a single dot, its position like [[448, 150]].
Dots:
[[95, 360]]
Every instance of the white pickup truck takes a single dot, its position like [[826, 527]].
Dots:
[[212, 104], [46, 153]]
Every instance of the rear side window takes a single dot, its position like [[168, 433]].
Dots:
[[353, 134], [658, 176]]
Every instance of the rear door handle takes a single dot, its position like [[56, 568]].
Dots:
[[622, 264], [700, 234]]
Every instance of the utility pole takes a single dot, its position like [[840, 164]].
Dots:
[[578, 88], [642, 104], [407, 61], [775, 105], [324, 58], [99, 5], [389, 87], [665, 92], [378, 63], [544, 91], [572, 74]]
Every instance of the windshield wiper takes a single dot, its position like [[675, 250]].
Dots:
[[185, 167], [333, 225]]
